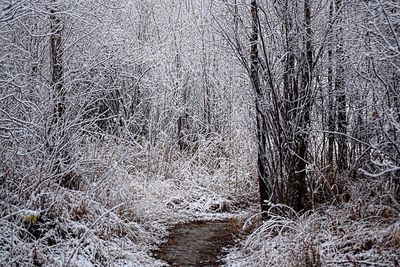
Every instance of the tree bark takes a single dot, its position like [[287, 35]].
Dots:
[[306, 94], [57, 82], [58, 147], [298, 184], [260, 120], [341, 97], [331, 103]]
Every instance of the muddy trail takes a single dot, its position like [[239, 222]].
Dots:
[[198, 243]]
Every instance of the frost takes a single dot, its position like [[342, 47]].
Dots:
[[120, 119], [330, 236], [119, 216]]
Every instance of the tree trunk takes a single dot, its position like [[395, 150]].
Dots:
[[57, 82], [306, 94], [341, 97], [298, 184], [58, 148], [298, 101], [331, 108], [260, 120]]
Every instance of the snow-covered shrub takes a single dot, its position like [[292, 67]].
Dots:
[[359, 232]]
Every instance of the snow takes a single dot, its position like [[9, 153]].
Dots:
[[329, 236], [117, 217]]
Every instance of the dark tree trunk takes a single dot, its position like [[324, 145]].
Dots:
[[58, 146], [298, 101], [57, 82], [182, 122], [260, 120], [292, 113], [306, 94], [331, 103], [298, 184], [341, 97]]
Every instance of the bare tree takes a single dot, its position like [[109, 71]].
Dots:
[[265, 193]]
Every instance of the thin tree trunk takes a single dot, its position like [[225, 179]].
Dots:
[[261, 131], [57, 82], [341, 97], [301, 186], [297, 180], [331, 109], [58, 146]]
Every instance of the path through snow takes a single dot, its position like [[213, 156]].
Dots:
[[198, 243]]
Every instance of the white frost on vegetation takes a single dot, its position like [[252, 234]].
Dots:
[[362, 232], [120, 213]]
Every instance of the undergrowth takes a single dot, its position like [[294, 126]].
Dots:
[[361, 232], [119, 212]]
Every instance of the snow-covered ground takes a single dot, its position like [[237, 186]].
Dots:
[[120, 212], [124, 207]]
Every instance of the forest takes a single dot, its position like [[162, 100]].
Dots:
[[271, 128]]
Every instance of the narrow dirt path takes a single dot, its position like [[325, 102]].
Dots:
[[198, 243]]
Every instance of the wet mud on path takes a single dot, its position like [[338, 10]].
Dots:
[[198, 243]]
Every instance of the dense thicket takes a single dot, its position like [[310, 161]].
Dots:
[[150, 73], [304, 95], [325, 79]]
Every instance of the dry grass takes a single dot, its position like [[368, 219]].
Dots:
[[119, 213], [363, 231]]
